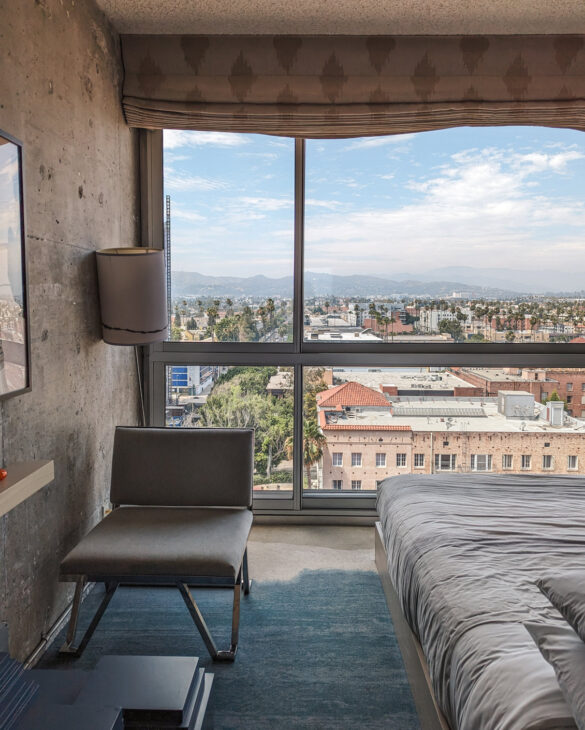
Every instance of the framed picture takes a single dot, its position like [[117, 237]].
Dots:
[[14, 330]]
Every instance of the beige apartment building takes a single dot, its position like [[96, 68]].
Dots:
[[372, 435]]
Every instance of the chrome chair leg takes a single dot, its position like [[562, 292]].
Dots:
[[69, 645], [216, 655]]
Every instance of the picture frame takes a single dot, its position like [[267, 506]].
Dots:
[[15, 376]]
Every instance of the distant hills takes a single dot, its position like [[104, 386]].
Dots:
[[190, 283], [518, 281]]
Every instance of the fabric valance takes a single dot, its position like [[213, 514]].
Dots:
[[344, 86]]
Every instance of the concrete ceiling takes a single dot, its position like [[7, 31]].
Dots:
[[399, 17]]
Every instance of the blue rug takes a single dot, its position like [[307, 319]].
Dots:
[[316, 652]]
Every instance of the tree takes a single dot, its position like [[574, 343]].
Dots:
[[510, 336], [212, 313], [247, 325], [453, 328], [227, 329], [269, 306], [313, 443]]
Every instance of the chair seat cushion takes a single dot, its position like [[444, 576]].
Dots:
[[163, 541]]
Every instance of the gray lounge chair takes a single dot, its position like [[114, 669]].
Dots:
[[183, 513]]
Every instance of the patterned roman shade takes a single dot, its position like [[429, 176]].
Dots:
[[344, 86]]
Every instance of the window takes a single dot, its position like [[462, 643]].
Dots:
[[419, 461], [572, 463], [569, 399], [356, 484], [583, 386], [356, 459], [526, 461], [400, 460], [224, 396], [507, 461], [569, 387], [380, 460], [227, 196], [238, 243], [337, 458], [544, 395], [547, 461], [445, 462], [359, 190], [481, 462]]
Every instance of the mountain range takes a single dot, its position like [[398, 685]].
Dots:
[[495, 283]]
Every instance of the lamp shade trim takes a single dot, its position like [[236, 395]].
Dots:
[[137, 332]]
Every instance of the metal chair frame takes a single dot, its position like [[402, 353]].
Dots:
[[183, 583]]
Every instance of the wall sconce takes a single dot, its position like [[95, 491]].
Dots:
[[133, 300]]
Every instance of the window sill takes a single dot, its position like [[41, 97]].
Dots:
[[23, 480]]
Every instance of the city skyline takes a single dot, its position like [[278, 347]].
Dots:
[[390, 206]]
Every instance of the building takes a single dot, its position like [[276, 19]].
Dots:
[[567, 383], [372, 435]]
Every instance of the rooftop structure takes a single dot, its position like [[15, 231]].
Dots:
[[406, 379], [358, 410]]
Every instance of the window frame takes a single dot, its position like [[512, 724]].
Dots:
[[477, 459], [301, 353]]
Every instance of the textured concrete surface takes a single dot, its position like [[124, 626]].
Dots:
[[60, 81], [369, 17], [281, 553]]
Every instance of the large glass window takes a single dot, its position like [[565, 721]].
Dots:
[[229, 230], [317, 289], [452, 236]]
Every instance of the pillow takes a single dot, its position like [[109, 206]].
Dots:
[[564, 650], [566, 592]]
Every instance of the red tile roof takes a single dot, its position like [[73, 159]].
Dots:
[[351, 394], [578, 340]]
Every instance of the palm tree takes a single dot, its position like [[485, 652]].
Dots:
[[313, 442]]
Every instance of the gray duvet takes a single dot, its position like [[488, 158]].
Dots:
[[463, 554]]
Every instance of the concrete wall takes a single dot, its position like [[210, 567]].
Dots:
[[60, 77]]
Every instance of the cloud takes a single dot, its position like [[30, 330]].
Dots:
[[261, 155], [479, 209], [184, 182], [176, 138], [186, 215], [331, 204], [369, 142], [264, 203]]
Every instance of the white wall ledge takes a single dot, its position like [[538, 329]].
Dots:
[[23, 480]]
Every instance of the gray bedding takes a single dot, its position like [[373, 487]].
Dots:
[[464, 552]]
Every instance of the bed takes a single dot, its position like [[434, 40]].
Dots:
[[463, 552]]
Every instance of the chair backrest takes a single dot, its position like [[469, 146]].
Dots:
[[183, 467]]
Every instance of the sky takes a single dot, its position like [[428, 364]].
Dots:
[[494, 197], [10, 234]]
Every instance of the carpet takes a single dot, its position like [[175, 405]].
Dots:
[[317, 651]]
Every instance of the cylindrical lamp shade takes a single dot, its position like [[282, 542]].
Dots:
[[133, 297]]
